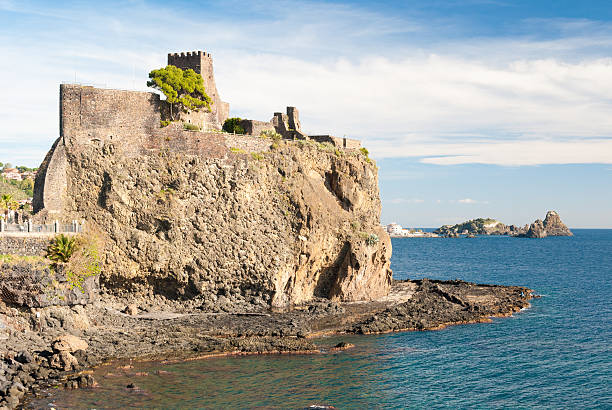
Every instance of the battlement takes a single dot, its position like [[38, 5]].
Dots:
[[189, 54], [201, 62]]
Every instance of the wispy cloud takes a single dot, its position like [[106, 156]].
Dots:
[[406, 201], [508, 101]]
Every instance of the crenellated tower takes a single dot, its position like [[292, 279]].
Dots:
[[202, 63]]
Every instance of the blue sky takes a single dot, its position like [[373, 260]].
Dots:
[[471, 108]]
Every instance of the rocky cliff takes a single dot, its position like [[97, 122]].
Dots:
[[277, 226], [551, 226]]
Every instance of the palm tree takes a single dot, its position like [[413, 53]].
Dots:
[[13, 206], [5, 204]]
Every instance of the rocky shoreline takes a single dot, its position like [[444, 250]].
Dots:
[[56, 345]]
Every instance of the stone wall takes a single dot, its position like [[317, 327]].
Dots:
[[346, 143], [247, 143], [89, 114], [23, 245], [254, 127], [202, 63]]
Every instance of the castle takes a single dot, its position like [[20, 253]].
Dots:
[[129, 121]]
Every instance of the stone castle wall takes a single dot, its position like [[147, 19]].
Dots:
[[88, 113], [202, 63], [254, 127]]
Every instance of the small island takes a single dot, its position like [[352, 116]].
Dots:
[[551, 226]]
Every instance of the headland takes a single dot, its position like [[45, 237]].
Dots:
[[200, 242]]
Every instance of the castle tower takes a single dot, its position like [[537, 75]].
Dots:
[[202, 63]]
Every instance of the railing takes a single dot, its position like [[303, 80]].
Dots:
[[29, 227]]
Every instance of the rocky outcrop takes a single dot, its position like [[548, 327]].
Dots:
[[480, 226], [36, 284], [271, 227], [551, 226]]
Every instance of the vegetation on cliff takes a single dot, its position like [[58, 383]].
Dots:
[[232, 125], [184, 89]]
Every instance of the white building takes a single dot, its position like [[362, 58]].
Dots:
[[11, 173], [394, 229]]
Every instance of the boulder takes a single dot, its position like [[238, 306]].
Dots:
[[131, 309], [63, 361], [69, 343]]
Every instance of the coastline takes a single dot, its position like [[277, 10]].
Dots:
[[113, 336]]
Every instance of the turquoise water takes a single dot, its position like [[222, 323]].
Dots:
[[557, 354]]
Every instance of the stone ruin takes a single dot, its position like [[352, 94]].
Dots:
[[131, 119]]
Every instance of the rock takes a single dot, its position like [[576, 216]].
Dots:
[[554, 226], [536, 230], [131, 309], [63, 361], [342, 346], [81, 382], [24, 357], [551, 226], [34, 284], [206, 217], [69, 343]]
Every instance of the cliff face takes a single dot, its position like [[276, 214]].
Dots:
[[277, 227]]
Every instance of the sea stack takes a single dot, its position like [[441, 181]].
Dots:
[[551, 226]]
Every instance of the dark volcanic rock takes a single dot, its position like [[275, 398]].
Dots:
[[36, 285]]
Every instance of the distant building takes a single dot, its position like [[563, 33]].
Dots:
[[12, 173], [394, 229], [28, 174]]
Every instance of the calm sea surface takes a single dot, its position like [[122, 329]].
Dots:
[[557, 354]]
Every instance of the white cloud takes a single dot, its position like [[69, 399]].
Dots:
[[505, 101]]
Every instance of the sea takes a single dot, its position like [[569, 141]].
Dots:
[[555, 354]]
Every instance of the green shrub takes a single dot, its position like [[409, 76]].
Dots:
[[275, 136], [163, 123], [165, 193], [85, 261], [366, 154], [190, 127], [237, 150], [257, 156], [370, 239], [61, 248], [232, 125]]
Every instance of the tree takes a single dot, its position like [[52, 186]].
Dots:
[[6, 203], [61, 248], [183, 89], [232, 125]]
